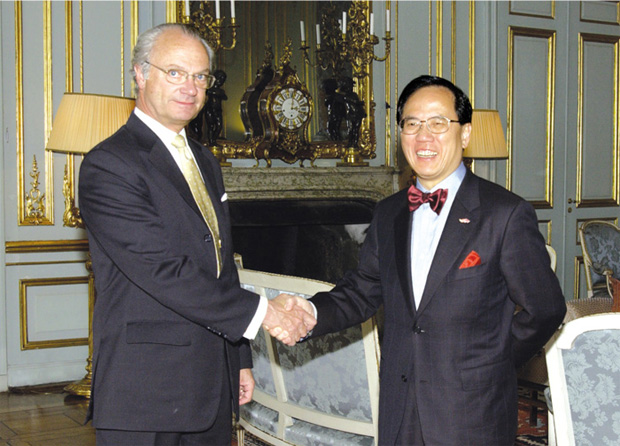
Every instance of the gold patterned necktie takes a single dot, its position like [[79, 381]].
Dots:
[[200, 194]]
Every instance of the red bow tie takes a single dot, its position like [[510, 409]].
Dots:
[[417, 198]]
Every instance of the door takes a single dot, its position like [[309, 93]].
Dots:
[[561, 109]]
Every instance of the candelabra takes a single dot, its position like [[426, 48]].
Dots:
[[213, 29], [342, 41], [345, 42]]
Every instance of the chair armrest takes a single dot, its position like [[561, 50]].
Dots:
[[605, 271]]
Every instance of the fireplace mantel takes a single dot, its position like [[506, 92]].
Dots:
[[310, 183]]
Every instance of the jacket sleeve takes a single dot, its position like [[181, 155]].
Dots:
[[532, 284], [357, 296]]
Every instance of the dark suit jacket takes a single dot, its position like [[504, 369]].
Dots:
[[462, 346], [167, 333]]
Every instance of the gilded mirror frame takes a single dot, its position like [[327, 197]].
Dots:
[[359, 52]]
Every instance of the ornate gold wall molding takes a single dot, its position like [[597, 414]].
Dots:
[[614, 43], [546, 201], [24, 284], [547, 224], [389, 161], [472, 52], [38, 246], [439, 34], [548, 14]]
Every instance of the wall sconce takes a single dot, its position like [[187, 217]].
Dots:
[[81, 122], [487, 139]]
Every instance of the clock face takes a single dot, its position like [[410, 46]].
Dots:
[[290, 108]]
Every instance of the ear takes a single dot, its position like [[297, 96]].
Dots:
[[140, 79], [465, 134]]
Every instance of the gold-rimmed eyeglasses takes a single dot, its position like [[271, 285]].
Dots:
[[176, 76], [436, 124]]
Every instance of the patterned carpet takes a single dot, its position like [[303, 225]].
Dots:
[[531, 435]]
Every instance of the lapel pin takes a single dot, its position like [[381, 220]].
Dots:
[[464, 220]]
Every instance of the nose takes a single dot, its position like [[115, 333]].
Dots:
[[190, 85], [424, 133]]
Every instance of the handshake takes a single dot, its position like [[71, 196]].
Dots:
[[289, 318]]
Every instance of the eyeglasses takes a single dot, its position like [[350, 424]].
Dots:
[[175, 76], [436, 124]]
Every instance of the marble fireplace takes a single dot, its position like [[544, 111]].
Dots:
[[306, 222]]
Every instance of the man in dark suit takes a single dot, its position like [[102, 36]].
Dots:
[[171, 324], [450, 270]]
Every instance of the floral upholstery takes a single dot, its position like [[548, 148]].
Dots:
[[319, 392], [583, 360], [260, 416], [592, 369], [600, 242], [308, 434], [318, 374]]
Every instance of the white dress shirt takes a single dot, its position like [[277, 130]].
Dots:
[[427, 229]]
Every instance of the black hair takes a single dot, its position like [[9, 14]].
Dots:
[[462, 105]]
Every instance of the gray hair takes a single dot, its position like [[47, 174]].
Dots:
[[146, 42]]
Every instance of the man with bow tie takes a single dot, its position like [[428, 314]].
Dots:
[[449, 260]]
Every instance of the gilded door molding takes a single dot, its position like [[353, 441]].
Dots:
[[603, 112], [545, 198]]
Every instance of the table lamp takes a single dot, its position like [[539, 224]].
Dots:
[[81, 122], [487, 139]]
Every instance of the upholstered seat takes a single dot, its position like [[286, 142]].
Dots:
[[600, 243], [321, 392], [583, 360]]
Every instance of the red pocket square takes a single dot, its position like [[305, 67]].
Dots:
[[473, 259]]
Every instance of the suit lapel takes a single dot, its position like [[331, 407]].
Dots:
[[159, 156], [455, 236], [402, 252]]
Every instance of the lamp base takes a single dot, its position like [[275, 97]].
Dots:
[[80, 388]]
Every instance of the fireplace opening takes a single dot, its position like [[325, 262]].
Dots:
[[318, 239]]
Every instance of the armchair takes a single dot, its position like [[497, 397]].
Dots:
[[600, 243], [322, 391], [584, 369]]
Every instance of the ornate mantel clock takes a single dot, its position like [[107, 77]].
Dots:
[[285, 109]]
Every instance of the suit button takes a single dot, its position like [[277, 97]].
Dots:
[[403, 378], [208, 238], [417, 329]]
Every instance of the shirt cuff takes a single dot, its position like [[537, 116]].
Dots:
[[257, 320]]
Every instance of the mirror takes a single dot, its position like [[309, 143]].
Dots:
[[280, 96]]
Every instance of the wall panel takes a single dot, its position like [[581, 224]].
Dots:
[[531, 90], [598, 149]]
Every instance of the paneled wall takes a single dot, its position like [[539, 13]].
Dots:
[[561, 101], [550, 68], [49, 47]]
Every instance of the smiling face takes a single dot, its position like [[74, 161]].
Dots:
[[172, 105], [433, 157]]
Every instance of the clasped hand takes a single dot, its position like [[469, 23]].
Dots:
[[289, 318]]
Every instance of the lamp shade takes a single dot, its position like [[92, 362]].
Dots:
[[487, 136], [84, 120]]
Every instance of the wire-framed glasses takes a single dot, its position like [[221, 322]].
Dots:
[[436, 124], [176, 76]]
